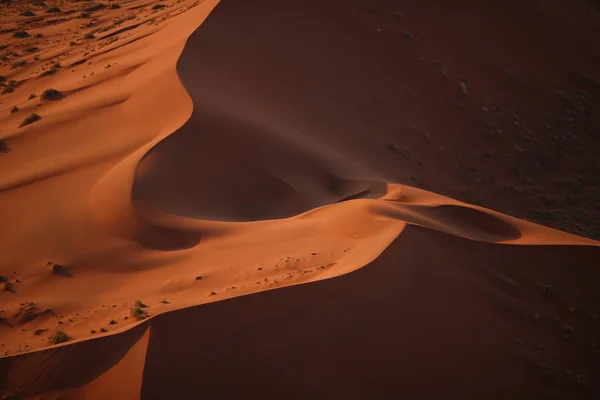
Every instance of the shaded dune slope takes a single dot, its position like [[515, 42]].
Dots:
[[421, 321], [312, 103]]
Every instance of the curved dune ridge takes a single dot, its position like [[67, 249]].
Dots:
[[201, 168]]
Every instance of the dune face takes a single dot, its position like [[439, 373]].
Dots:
[[421, 321], [158, 156], [465, 99]]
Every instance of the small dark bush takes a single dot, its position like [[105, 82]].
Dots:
[[548, 289], [137, 311], [49, 72], [158, 6], [94, 7], [89, 36], [59, 337], [30, 119], [21, 34], [3, 149], [51, 94], [53, 10], [17, 64], [10, 87], [14, 110], [28, 13], [114, 6]]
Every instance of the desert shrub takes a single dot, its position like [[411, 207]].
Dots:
[[51, 94], [548, 289], [14, 110], [49, 72], [53, 10], [21, 34], [30, 119], [137, 311], [94, 7], [59, 337], [10, 87], [158, 6], [89, 35], [28, 13], [17, 64]]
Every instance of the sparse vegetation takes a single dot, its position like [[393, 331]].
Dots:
[[21, 34], [94, 7], [7, 286], [17, 64], [14, 110], [89, 35], [52, 70], [31, 49], [114, 6], [53, 9], [158, 6], [51, 94], [9, 88], [139, 303], [59, 337], [137, 311], [28, 13], [30, 119], [548, 289], [112, 322]]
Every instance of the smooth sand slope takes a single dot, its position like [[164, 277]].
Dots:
[[276, 145]]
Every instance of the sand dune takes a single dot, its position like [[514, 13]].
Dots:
[[203, 152], [421, 321]]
